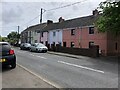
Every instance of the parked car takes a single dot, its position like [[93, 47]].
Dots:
[[25, 46], [7, 55], [38, 47]]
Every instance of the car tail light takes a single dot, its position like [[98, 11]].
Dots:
[[11, 52]]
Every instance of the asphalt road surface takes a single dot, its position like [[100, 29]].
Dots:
[[66, 72]]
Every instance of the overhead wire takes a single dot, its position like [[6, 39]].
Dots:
[[55, 9]]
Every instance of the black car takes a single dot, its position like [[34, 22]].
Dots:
[[25, 46], [7, 55]]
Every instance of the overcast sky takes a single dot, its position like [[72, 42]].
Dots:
[[21, 13]]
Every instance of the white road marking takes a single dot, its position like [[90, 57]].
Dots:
[[40, 77], [41, 57], [32, 54], [81, 67], [38, 56], [20, 52]]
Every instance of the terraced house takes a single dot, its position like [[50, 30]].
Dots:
[[32, 33], [75, 33]]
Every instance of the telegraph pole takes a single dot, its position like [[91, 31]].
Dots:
[[18, 35], [18, 29], [41, 15]]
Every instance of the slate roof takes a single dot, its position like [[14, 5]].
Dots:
[[35, 27], [72, 23], [77, 22]]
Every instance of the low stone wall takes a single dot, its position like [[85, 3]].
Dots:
[[93, 51]]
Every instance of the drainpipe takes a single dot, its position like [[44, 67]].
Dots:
[[80, 38], [40, 37]]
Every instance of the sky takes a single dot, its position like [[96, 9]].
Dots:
[[25, 13]]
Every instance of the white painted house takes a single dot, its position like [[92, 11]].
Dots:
[[55, 37]]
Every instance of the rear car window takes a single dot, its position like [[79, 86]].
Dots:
[[4, 47]]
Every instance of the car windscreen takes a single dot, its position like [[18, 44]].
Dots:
[[27, 44], [40, 45]]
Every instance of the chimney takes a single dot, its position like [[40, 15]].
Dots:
[[61, 19], [49, 22], [95, 12]]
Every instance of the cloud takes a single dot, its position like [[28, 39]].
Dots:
[[11, 15], [49, 15]]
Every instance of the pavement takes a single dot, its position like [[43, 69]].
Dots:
[[109, 59], [24, 78]]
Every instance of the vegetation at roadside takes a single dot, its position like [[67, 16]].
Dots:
[[109, 21], [3, 39], [13, 37]]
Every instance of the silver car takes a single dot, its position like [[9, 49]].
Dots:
[[38, 47]]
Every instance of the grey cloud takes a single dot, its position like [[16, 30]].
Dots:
[[11, 15], [49, 15], [75, 8]]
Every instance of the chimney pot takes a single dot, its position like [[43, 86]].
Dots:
[[49, 22], [95, 12], [61, 19]]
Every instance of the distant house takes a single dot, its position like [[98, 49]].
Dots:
[[32, 34]]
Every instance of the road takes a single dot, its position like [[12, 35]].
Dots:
[[66, 72]]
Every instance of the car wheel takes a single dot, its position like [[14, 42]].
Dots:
[[30, 50], [37, 50], [13, 65]]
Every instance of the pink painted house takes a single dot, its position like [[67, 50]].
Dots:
[[44, 38], [81, 33]]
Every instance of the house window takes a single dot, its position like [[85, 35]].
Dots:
[[35, 33], [64, 44], [53, 43], [72, 44], [35, 41], [91, 30], [41, 42], [46, 43], [54, 33], [116, 46], [41, 34], [72, 31], [91, 44]]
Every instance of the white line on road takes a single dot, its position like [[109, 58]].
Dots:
[[20, 52], [41, 57], [40, 77], [81, 67], [32, 54], [38, 56]]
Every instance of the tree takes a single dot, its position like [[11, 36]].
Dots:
[[109, 21], [0, 38], [13, 37], [3, 39]]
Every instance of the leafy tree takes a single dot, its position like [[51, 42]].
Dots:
[[3, 38], [0, 38], [13, 37], [109, 21]]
